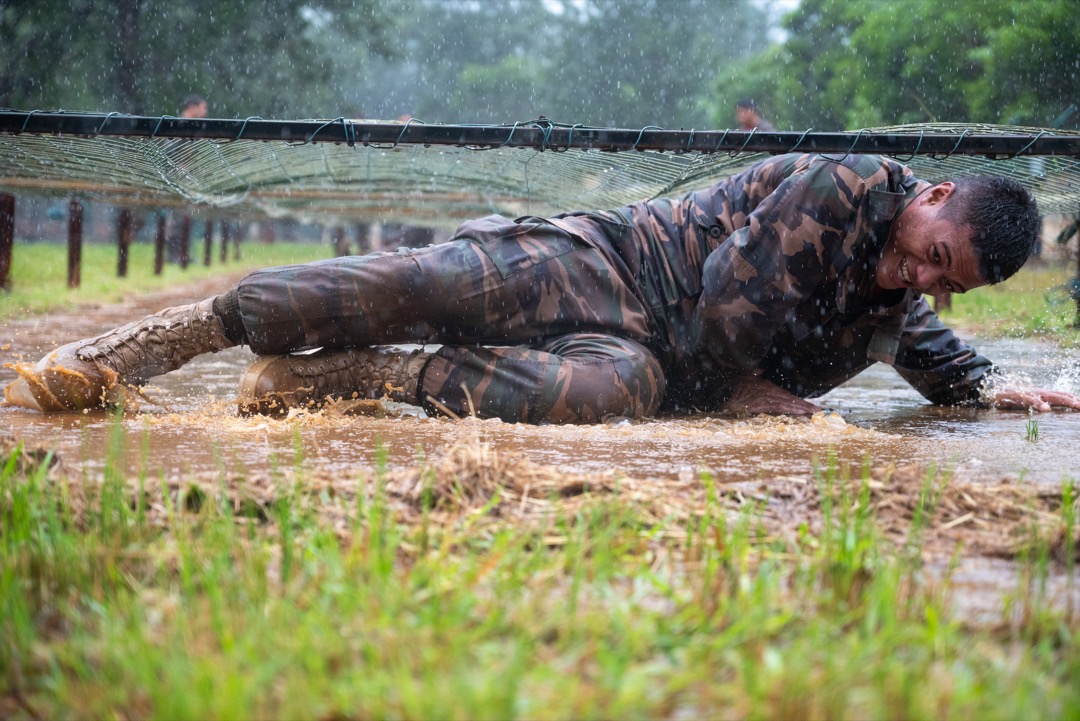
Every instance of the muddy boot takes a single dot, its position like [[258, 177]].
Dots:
[[274, 384], [92, 372]]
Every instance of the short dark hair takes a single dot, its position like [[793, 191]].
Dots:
[[191, 99], [747, 103], [1003, 218]]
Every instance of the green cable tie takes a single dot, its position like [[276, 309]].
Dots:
[[642, 133], [799, 141], [27, 120], [852, 147]]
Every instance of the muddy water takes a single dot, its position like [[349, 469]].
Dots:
[[191, 426]]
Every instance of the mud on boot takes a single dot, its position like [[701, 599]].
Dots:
[[275, 384], [92, 373]]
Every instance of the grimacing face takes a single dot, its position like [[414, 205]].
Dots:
[[927, 252]]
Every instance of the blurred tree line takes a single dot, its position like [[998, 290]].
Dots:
[[826, 64], [851, 65]]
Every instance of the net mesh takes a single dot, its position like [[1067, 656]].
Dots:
[[436, 184]]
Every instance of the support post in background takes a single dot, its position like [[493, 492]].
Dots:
[[123, 242], [341, 246], [75, 223], [159, 245], [1076, 286], [363, 238], [185, 241], [208, 242], [224, 241], [236, 242], [7, 238]]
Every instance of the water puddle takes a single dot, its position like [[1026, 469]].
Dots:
[[193, 427]]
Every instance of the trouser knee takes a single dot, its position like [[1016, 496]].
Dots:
[[576, 378]]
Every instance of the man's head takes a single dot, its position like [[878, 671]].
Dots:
[[747, 114], [194, 106], [1004, 222], [960, 235]]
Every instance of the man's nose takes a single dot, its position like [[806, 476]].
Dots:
[[926, 276]]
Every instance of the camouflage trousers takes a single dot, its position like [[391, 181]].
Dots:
[[537, 322]]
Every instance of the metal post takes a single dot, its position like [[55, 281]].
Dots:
[[75, 222], [363, 238], [224, 241], [159, 245], [208, 242], [123, 242], [185, 241], [341, 246], [7, 238], [236, 243]]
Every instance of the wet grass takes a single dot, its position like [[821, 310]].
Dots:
[[39, 272], [203, 608], [1031, 429], [1031, 303]]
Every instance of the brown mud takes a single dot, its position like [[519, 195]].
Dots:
[[996, 487]]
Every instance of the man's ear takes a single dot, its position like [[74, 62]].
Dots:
[[939, 193]]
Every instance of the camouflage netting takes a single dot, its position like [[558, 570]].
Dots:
[[337, 171]]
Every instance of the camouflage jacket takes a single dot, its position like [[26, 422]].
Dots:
[[771, 272]]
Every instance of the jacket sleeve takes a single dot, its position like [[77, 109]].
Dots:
[[792, 241], [940, 366]]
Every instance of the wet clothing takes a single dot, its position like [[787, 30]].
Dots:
[[663, 304]]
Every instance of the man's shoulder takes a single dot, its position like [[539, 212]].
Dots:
[[866, 167]]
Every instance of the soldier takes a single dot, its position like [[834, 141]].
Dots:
[[194, 106], [749, 117], [770, 287]]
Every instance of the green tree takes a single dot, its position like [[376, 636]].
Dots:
[[850, 65], [1032, 64], [597, 62], [788, 80], [269, 58], [652, 62], [621, 62]]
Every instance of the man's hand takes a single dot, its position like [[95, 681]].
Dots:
[[1035, 399], [754, 395]]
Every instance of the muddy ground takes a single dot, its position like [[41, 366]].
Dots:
[[994, 490]]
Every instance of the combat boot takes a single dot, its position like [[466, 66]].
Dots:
[[90, 373], [274, 384]]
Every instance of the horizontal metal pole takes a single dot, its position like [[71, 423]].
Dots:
[[545, 135]]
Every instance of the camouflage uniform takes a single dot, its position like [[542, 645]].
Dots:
[[663, 304]]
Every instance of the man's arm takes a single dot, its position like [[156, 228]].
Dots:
[[1039, 400], [947, 371]]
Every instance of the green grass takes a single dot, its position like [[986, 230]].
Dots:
[[1029, 304], [1031, 429], [39, 272], [281, 615]]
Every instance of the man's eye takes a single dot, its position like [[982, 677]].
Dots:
[[936, 254]]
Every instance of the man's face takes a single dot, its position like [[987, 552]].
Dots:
[[745, 117], [199, 110], [927, 252]]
